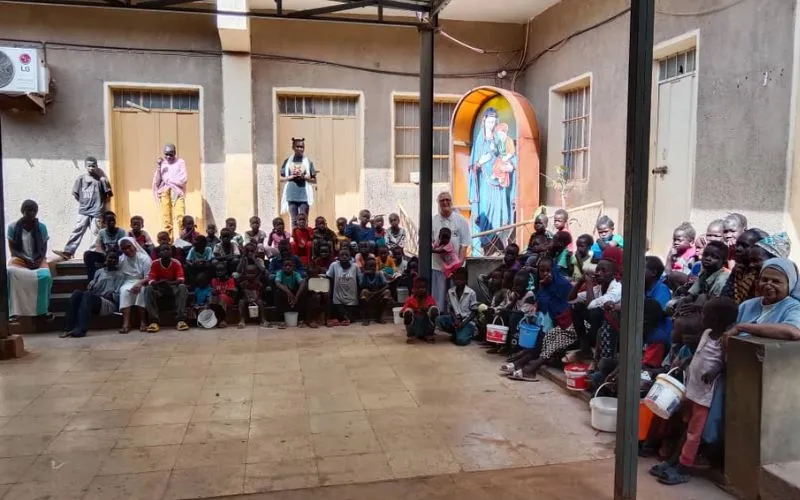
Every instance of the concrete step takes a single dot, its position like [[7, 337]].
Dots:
[[780, 481], [71, 268], [68, 284]]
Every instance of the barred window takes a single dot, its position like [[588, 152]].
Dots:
[[576, 123], [156, 100], [406, 138]]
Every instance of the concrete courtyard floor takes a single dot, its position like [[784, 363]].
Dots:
[[228, 412]]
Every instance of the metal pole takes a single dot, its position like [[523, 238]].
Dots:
[[637, 156], [425, 146], [3, 269]]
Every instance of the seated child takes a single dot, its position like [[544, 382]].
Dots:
[[419, 313], [277, 234], [101, 297], [361, 231], [386, 263], [317, 306], [713, 277], [250, 294], [600, 288], [323, 235], [302, 239], [341, 229], [250, 257], [211, 234], [605, 237], [462, 308], [138, 233], [107, 239], [289, 290], [445, 249], [162, 238], [188, 233], [230, 224], [380, 232], [364, 252], [396, 235], [199, 259], [495, 295], [319, 265], [284, 253], [201, 295], [519, 304], [223, 293], [707, 364], [344, 289], [540, 238], [255, 234], [583, 252], [375, 295], [166, 281], [566, 262], [538, 246], [683, 254], [227, 251]]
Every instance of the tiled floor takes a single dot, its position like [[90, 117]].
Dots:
[[208, 413]]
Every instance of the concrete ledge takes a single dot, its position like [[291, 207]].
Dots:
[[12, 347], [780, 481]]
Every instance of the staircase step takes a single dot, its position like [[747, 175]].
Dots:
[[68, 284], [780, 481], [71, 268]]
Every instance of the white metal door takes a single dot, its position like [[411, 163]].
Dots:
[[672, 175]]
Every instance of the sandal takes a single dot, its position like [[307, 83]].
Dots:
[[431, 339], [519, 375], [124, 330], [507, 369], [313, 324], [332, 323], [658, 469], [152, 328], [673, 476], [182, 326]]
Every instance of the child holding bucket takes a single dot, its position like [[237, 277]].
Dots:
[[462, 306], [719, 314], [250, 300], [519, 304]]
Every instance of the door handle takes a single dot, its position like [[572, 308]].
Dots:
[[662, 170]]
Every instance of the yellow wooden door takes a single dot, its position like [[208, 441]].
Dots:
[[138, 138], [331, 143]]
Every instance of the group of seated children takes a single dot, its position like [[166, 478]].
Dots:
[[318, 273]]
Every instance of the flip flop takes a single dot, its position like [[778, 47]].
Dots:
[[517, 375], [658, 469], [123, 330], [153, 328], [182, 326], [672, 476], [507, 369]]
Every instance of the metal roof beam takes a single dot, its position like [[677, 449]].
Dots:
[[332, 8], [161, 3], [437, 6]]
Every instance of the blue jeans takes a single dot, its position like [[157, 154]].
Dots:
[[422, 325], [297, 207], [447, 323], [82, 305]]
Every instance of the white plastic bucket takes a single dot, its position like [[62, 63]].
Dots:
[[666, 395], [319, 284], [402, 294], [496, 333], [290, 318], [207, 318], [398, 318], [604, 412], [252, 309]]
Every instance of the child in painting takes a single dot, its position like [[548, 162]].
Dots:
[[444, 247], [502, 166]]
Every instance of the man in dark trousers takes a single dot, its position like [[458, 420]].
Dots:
[[92, 191]]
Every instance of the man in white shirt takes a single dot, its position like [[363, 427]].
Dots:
[[461, 234], [602, 290]]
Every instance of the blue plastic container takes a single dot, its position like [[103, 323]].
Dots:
[[528, 334]]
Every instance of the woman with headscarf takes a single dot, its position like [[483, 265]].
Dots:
[[29, 279], [134, 264], [556, 323], [775, 313]]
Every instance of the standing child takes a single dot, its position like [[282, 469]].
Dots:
[[250, 294], [420, 313], [107, 239], [345, 286], [462, 308], [375, 296], [444, 247], [255, 234], [223, 293], [380, 232], [211, 234], [302, 239], [396, 235], [683, 254], [166, 280], [289, 289], [138, 233], [605, 236], [708, 363], [565, 261], [230, 224]]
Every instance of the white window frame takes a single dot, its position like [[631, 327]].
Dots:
[[556, 126], [414, 97]]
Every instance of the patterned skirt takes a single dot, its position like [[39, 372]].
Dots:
[[557, 341]]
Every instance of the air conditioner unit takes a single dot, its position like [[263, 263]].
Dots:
[[22, 71]]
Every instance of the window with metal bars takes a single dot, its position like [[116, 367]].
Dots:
[[677, 65], [156, 100], [576, 123], [406, 139], [317, 105]]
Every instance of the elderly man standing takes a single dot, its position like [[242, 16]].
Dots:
[[460, 238], [169, 188]]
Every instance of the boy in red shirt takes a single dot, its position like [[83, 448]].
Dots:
[[166, 280], [303, 237], [223, 292], [419, 313]]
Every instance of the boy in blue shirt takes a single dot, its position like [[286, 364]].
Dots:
[[289, 288]]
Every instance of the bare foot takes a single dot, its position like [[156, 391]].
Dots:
[[240, 325], [222, 324]]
